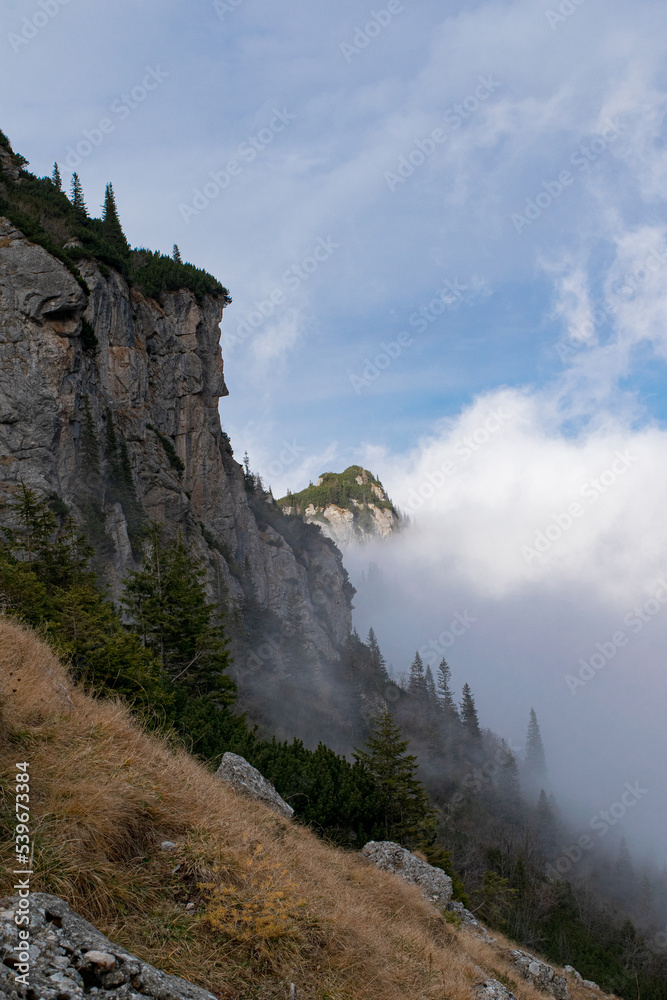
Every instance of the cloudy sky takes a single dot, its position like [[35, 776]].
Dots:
[[443, 228]]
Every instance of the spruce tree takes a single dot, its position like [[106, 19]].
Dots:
[[535, 764], [417, 680], [377, 659], [166, 601], [546, 825], [407, 813], [445, 693], [111, 227], [76, 197], [56, 179], [176, 254], [429, 685], [469, 714]]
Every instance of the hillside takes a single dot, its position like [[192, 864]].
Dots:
[[248, 903], [350, 507]]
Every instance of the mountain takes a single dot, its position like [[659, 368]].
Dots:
[[350, 507]]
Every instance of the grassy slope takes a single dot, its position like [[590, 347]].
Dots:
[[279, 907]]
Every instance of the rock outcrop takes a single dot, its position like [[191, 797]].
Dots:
[[82, 374], [492, 989], [540, 974], [351, 507], [390, 857], [245, 778], [68, 959]]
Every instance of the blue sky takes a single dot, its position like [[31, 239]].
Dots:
[[459, 209]]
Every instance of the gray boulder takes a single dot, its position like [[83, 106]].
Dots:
[[491, 989], [247, 779], [70, 959], [468, 920], [436, 886], [540, 974]]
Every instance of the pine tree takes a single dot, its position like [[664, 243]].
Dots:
[[535, 764], [111, 227], [469, 714], [176, 254], [76, 197], [56, 179], [406, 806], [167, 604], [445, 693], [417, 681]]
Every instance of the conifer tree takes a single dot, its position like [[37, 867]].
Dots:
[[535, 762], [546, 825], [444, 691], [417, 680], [176, 254], [167, 604], [76, 197], [405, 803], [469, 714], [56, 178], [509, 785], [429, 685], [377, 659], [113, 231]]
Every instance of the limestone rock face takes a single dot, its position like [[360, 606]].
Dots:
[[71, 959], [246, 779], [156, 377], [540, 974], [344, 527], [390, 857]]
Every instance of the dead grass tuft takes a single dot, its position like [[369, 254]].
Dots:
[[249, 902]]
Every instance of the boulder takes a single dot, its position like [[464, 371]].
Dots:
[[70, 959], [468, 920], [491, 989], [436, 886], [246, 779], [540, 974]]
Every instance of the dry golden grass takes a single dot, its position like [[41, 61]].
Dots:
[[273, 905]]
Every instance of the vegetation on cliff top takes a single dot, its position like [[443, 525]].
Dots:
[[340, 489], [44, 214]]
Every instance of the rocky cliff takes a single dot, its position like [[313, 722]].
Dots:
[[350, 507], [109, 401]]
